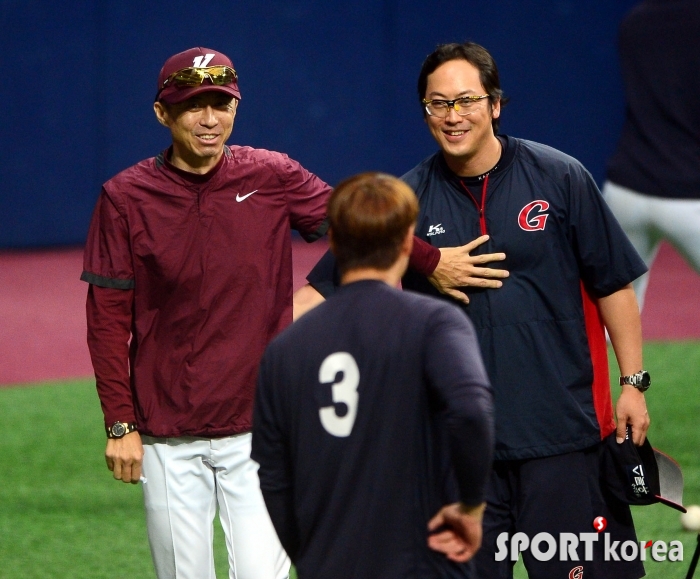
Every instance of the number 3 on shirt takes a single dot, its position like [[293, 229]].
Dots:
[[344, 391]]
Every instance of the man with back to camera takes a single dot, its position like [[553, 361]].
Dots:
[[653, 178], [365, 404], [542, 333], [189, 255]]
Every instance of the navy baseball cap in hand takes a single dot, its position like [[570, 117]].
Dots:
[[640, 475], [195, 71]]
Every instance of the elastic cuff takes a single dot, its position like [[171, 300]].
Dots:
[[108, 282], [424, 257]]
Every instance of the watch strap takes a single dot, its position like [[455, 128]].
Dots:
[[641, 380], [121, 429]]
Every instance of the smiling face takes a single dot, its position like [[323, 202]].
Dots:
[[200, 127], [468, 143]]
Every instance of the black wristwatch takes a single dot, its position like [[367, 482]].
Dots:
[[120, 429], [641, 380]]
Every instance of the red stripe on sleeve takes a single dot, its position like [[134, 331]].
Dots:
[[598, 346]]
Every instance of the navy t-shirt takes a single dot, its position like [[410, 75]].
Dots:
[[372, 412]]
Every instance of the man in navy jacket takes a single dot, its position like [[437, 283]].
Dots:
[[542, 333]]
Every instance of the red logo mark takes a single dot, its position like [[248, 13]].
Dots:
[[599, 524], [648, 544], [576, 573], [528, 223]]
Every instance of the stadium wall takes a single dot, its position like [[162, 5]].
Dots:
[[330, 83]]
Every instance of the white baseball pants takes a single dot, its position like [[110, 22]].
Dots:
[[186, 479], [648, 220]]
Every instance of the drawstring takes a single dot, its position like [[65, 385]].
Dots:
[[481, 209]]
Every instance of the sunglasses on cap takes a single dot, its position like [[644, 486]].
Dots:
[[191, 76]]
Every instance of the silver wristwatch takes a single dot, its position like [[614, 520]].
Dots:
[[641, 380]]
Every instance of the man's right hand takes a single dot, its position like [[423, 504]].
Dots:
[[460, 536], [458, 268], [124, 457]]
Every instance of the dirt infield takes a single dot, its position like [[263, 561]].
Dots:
[[42, 309]]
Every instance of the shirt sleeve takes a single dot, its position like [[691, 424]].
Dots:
[[424, 257], [307, 197], [607, 259], [456, 373], [107, 258], [109, 317], [325, 277], [270, 450], [107, 267]]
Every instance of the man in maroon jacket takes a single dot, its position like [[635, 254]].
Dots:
[[189, 263]]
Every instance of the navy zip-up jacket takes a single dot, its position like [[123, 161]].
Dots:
[[541, 335]]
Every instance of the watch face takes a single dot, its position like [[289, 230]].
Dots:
[[118, 430], [645, 380]]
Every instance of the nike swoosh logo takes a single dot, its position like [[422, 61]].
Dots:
[[240, 198]]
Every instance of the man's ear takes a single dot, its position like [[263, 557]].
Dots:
[[331, 241], [407, 243], [161, 113], [496, 109]]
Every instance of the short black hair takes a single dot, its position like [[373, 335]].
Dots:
[[370, 215], [474, 54]]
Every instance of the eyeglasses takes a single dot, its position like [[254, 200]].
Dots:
[[192, 76], [463, 106]]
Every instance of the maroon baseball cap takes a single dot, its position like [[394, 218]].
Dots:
[[193, 58]]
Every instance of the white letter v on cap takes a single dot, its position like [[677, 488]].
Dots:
[[199, 63]]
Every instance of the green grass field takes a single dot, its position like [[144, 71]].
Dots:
[[62, 515]]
